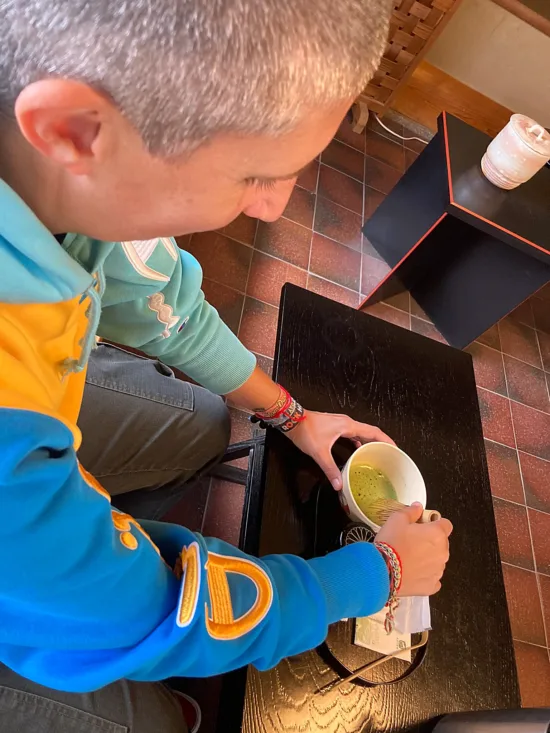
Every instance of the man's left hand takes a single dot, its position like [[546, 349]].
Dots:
[[316, 435]]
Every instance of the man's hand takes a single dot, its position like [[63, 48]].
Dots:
[[316, 435], [423, 549]]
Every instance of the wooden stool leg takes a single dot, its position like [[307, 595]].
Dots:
[[360, 113]]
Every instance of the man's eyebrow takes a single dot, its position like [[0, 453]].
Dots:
[[295, 175]]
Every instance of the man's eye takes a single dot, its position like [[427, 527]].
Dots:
[[263, 184]]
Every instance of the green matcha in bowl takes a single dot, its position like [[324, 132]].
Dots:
[[379, 471]]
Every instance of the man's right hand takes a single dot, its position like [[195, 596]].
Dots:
[[423, 549]]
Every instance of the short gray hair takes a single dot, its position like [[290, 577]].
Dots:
[[183, 71]]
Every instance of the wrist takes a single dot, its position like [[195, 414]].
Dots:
[[395, 570], [275, 409], [393, 562], [284, 414]]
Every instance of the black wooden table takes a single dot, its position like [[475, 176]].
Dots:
[[468, 251], [333, 358]]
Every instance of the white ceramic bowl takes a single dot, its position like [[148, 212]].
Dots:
[[401, 470]]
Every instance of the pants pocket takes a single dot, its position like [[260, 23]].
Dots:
[[113, 368], [25, 712]]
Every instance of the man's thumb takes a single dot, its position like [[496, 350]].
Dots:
[[413, 512], [331, 471]]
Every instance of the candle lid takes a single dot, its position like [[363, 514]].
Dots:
[[531, 133]]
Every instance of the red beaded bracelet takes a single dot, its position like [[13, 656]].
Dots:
[[276, 407], [284, 415], [393, 561]]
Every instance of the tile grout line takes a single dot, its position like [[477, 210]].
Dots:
[[542, 362], [362, 218], [541, 600], [507, 395], [527, 570], [522, 641], [311, 228], [347, 144], [364, 135], [496, 442], [313, 274], [501, 351], [339, 170], [517, 503], [206, 504], [313, 224], [516, 402], [533, 556], [292, 221], [521, 323], [265, 356], [356, 180], [248, 278], [546, 628], [336, 241]]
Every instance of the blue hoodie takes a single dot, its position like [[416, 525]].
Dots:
[[87, 594]]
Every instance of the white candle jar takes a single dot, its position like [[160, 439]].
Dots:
[[518, 151]]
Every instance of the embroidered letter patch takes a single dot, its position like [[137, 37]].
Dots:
[[221, 624], [220, 621], [164, 311]]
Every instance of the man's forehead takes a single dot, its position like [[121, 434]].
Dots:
[[285, 156]]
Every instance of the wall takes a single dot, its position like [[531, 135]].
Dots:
[[492, 51]]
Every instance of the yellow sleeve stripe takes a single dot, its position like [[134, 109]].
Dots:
[[220, 595], [190, 584]]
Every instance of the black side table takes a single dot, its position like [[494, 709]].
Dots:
[[468, 252]]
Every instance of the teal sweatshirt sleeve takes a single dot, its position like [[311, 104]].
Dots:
[[88, 596], [153, 302]]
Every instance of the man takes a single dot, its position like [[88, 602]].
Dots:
[[125, 124]]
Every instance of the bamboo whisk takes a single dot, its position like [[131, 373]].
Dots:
[[381, 510]]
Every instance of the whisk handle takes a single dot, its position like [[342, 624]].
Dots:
[[429, 515]]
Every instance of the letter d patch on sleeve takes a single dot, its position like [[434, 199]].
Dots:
[[221, 623]]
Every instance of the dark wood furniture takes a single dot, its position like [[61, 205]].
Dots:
[[414, 26], [336, 359], [468, 252]]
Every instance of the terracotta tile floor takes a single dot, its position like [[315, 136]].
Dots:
[[318, 244]]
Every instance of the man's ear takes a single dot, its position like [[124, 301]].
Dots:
[[62, 120]]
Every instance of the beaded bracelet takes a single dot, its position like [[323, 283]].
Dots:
[[393, 562], [283, 415], [280, 404]]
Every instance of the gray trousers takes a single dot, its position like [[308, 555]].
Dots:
[[145, 434]]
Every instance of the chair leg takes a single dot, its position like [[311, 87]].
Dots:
[[360, 113], [246, 449]]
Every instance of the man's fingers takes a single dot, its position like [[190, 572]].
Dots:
[[413, 512], [330, 469], [436, 588], [445, 525]]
